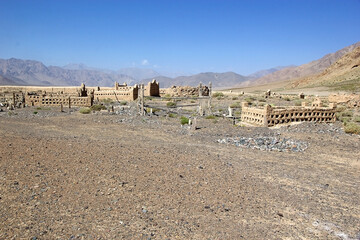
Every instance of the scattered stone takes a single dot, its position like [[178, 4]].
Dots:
[[267, 143]]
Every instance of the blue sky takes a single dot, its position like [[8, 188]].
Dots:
[[177, 35]]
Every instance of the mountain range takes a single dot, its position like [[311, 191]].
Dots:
[[29, 72], [295, 72], [345, 70]]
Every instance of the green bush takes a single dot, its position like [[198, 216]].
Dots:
[[85, 110], [35, 112], [172, 115], [123, 102], [193, 101], [235, 105], [218, 95], [352, 128], [287, 99], [184, 120], [210, 117], [250, 99], [171, 104], [97, 107], [235, 98], [356, 119], [347, 114]]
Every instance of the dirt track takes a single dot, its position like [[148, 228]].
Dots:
[[94, 177]]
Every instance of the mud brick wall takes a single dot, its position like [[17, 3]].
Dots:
[[254, 116], [123, 93], [57, 100], [152, 89], [271, 116]]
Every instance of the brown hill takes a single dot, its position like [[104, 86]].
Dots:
[[304, 70], [344, 70]]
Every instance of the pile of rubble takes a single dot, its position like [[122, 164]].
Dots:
[[267, 143]]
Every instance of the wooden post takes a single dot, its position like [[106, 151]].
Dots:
[[61, 107]]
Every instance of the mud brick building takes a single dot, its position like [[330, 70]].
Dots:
[[119, 92], [125, 92], [269, 116], [83, 98]]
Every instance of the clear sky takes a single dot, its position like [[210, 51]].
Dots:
[[177, 35]]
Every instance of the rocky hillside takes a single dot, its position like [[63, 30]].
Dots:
[[304, 70], [345, 69], [29, 72]]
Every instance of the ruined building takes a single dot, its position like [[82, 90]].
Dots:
[[83, 97], [128, 93], [269, 116], [152, 89], [118, 93]]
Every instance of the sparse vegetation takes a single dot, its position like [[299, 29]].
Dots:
[[171, 104], [250, 100], [123, 103], [218, 95], [349, 85], [262, 100], [352, 127], [154, 110], [97, 107], [43, 108], [107, 101], [297, 103], [210, 117], [356, 119], [235, 105], [235, 98], [184, 120], [85, 110], [172, 115]]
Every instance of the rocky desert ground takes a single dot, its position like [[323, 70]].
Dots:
[[67, 175]]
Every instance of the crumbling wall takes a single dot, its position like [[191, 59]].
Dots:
[[123, 93], [152, 89], [185, 91], [270, 116], [351, 100]]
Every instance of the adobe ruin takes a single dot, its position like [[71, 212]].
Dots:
[[269, 116], [82, 98]]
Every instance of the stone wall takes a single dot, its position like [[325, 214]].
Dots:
[[270, 116]]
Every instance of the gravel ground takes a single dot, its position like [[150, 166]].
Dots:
[[121, 176]]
